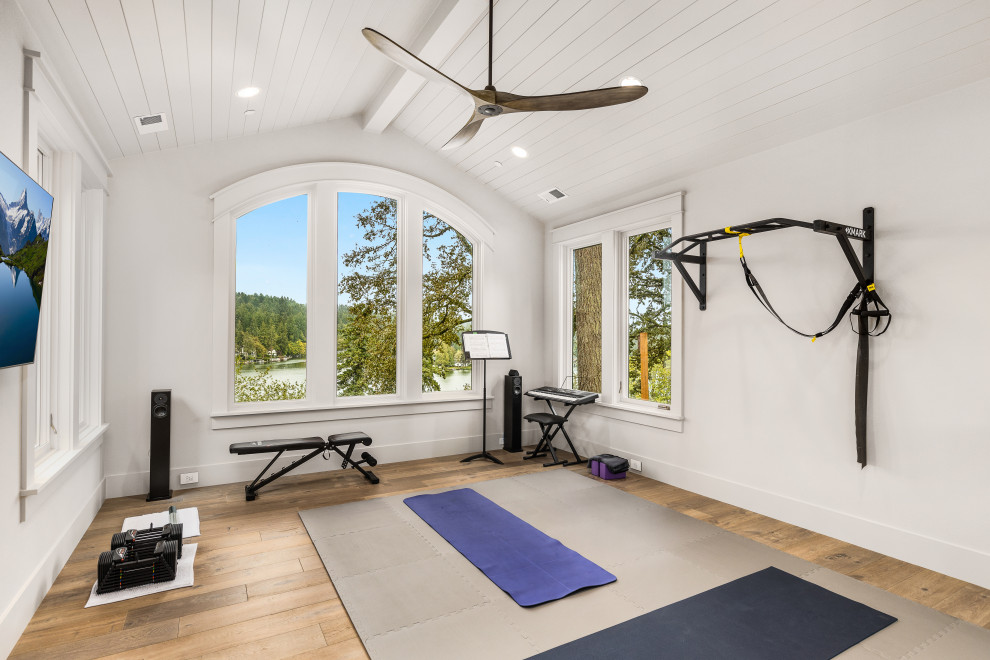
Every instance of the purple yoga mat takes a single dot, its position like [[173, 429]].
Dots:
[[524, 562]]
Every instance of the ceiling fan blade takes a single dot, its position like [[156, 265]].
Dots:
[[463, 136], [595, 98], [407, 60]]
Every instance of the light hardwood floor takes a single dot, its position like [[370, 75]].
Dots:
[[262, 590]]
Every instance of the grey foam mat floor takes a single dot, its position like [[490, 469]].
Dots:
[[410, 594]]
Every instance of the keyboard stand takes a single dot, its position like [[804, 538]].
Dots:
[[550, 425]]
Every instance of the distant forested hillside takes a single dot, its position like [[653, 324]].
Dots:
[[264, 323]]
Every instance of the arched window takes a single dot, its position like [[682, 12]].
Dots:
[[448, 305], [340, 286], [270, 302]]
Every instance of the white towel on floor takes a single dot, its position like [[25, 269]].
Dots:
[[188, 517], [183, 578]]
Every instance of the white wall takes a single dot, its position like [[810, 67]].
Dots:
[[34, 549], [159, 275], [769, 415]]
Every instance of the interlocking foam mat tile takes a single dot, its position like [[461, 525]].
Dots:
[[411, 595]]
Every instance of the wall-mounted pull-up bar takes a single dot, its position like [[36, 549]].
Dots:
[[872, 318]]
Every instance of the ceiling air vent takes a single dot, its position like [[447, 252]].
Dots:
[[151, 123], [552, 195]]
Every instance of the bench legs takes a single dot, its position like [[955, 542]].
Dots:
[[366, 458], [251, 490]]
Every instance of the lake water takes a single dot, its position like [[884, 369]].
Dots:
[[456, 381], [294, 371], [18, 317]]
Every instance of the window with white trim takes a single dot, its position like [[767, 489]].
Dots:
[[367, 312], [618, 318], [367, 294], [586, 318], [63, 388], [647, 317], [68, 362], [448, 305], [45, 440], [270, 302]]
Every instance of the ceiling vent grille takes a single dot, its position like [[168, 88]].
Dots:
[[151, 123], [552, 195]]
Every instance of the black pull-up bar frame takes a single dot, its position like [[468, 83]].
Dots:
[[862, 270], [679, 252]]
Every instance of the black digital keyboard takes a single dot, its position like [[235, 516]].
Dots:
[[569, 397]]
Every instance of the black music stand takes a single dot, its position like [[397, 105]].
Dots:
[[485, 345]]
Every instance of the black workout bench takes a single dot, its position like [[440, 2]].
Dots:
[[316, 445]]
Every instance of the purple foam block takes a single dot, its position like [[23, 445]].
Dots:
[[605, 473], [595, 468]]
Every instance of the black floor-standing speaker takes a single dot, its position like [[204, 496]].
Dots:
[[161, 417], [512, 434]]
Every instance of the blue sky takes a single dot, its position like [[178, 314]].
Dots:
[[271, 249], [271, 244], [13, 182]]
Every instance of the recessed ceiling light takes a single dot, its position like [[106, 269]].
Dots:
[[519, 152], [248, 92], [629, 81], [497, 163], [248, 112]]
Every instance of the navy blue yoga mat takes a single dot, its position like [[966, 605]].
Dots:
[[768, 615], [523, 561]]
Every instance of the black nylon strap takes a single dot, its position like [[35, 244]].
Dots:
[[880, 312], [757, 290], [862, 389]]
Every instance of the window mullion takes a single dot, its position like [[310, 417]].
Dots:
[[676, 326], [410, 303], [64, 330], [565, 311], [611, 359], [321, 303]]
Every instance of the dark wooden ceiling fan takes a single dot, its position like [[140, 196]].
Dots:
[[489, 102]]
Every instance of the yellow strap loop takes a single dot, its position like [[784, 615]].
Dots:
[[871, 287], [728, 230]]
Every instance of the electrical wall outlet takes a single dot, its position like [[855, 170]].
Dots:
[[635, 465], [189, 478], [501, 441]]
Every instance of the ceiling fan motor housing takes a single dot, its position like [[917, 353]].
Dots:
[[489, 110]]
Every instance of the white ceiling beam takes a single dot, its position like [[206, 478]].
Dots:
[[450, 23]]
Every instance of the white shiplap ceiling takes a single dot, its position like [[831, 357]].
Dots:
[[727, 77]]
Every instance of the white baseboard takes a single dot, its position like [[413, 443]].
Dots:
[[237, 470], [15, 617], [958, 561]]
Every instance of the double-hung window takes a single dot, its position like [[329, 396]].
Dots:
[[617, 326], [339, 287], [63, 387]]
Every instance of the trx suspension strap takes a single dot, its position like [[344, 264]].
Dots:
[[872, 318], [757, 290]]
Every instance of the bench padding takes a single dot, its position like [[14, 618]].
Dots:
[[315, 446], [267, 446], [351, 438]]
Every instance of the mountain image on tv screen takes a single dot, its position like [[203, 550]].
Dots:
[[25, 223]]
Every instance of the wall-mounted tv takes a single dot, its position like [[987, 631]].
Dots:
[[25, 224]]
